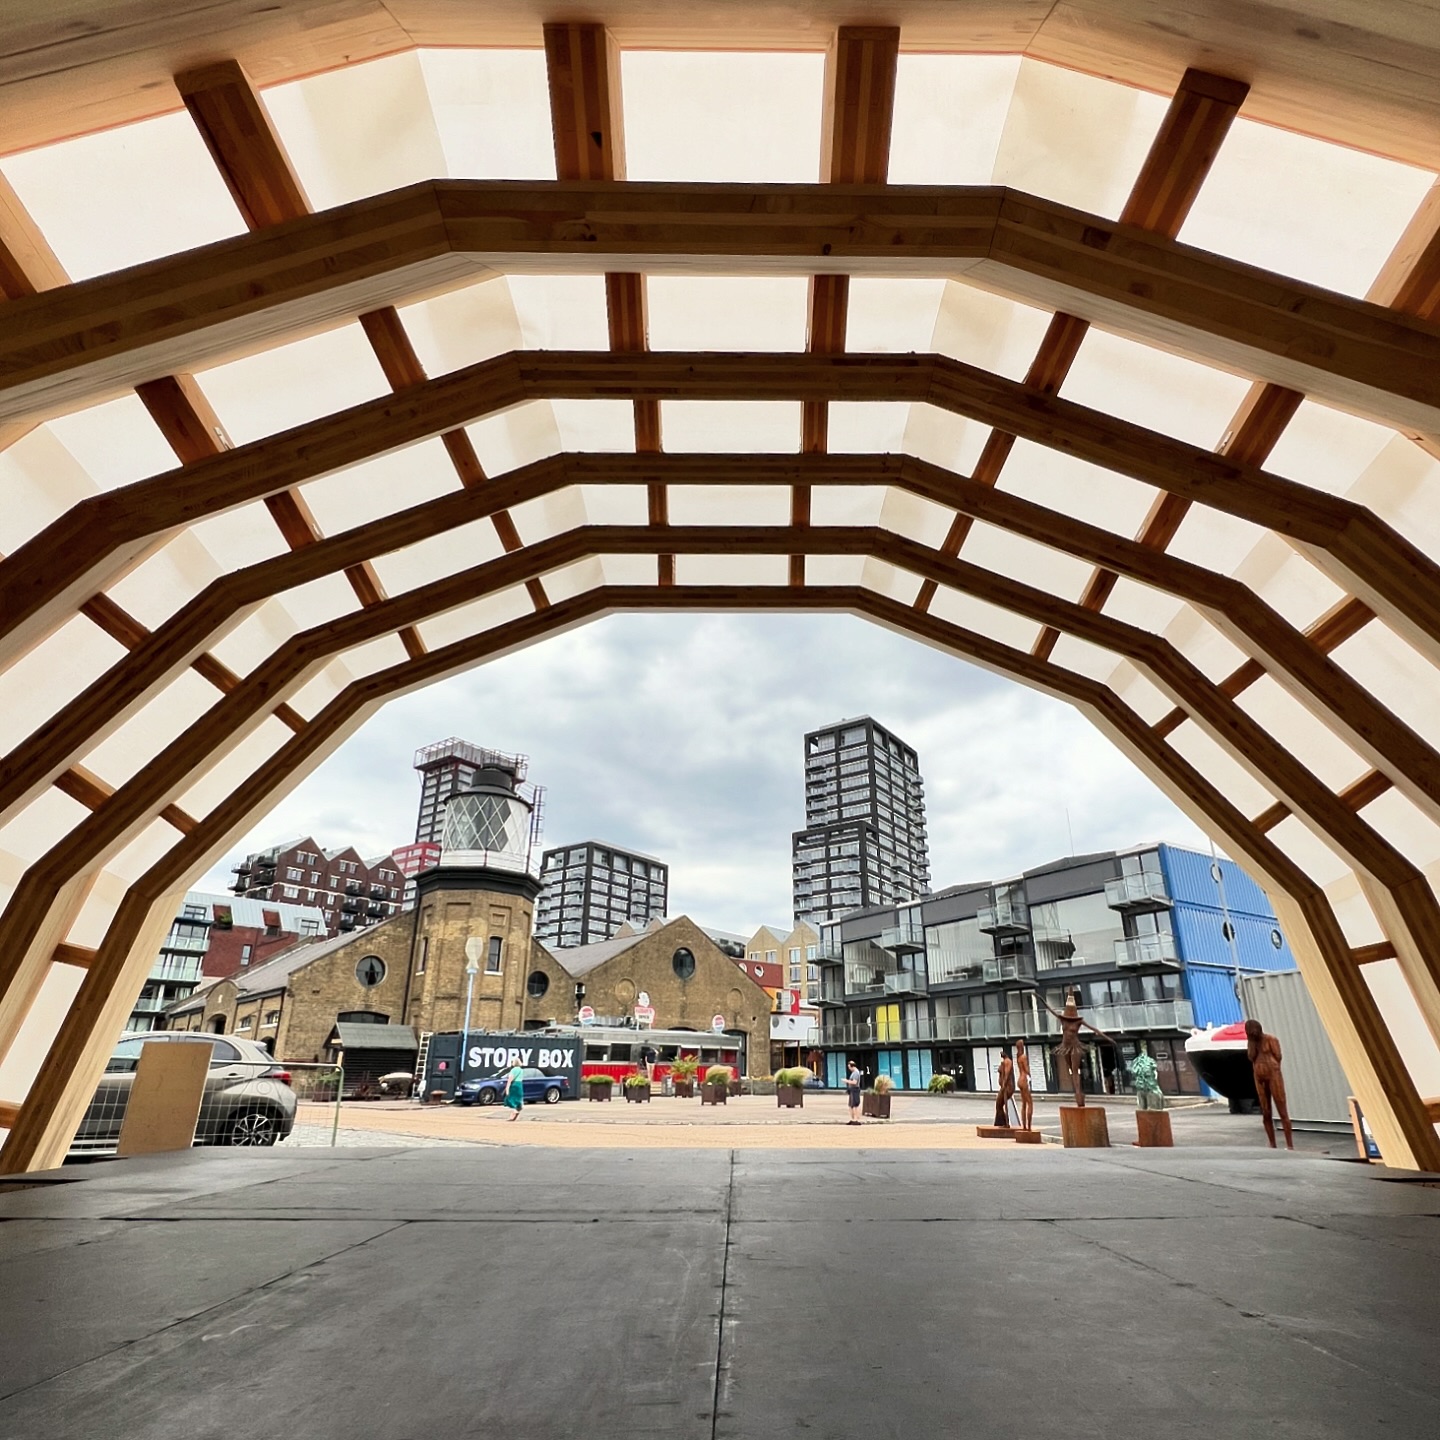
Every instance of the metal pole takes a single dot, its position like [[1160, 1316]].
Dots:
[[1229, 930], [473, 949]]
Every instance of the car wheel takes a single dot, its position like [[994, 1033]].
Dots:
[[488, 1097], [552, 1095], [254, 1127]]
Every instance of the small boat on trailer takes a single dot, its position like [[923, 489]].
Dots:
[[1222, 1061]]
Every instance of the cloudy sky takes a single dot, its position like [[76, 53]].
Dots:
[[682, 736]]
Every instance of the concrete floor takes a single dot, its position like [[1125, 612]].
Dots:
[[534, 1294]]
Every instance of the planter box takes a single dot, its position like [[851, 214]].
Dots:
[[637, 1094], [877, 1107], [685, 1089], [600, 1092], [1153, 1128], [713, 1094], [789, 1097]]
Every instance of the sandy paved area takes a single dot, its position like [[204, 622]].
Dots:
[[755, 1122]]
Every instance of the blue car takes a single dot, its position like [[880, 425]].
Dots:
[[491, 1090]]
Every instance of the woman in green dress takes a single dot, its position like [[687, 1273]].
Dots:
[[515, 1092]]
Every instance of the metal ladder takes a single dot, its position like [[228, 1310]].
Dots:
[[422, 1057]]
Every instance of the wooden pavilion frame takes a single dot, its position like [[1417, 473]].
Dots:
[[66, 344]]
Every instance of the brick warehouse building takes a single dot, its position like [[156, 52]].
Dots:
[[410, 970], [351, 891]]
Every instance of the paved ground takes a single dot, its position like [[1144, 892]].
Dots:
[[584, 1294], [755, 1122]]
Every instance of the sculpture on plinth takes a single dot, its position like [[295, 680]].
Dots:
[[1022, 1085], [1071, 1051], [1005, 1091], [1264, 1052], [1145, 1077]]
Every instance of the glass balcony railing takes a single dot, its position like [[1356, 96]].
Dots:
[[1006, 917], [1145, 891], [903, 939], [905, 982], [1011, 1025], [1147, 950]]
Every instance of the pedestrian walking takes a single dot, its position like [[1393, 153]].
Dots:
[[853, 1082], [515, 1092]]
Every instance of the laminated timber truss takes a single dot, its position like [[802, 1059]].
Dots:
[[1294, 725]]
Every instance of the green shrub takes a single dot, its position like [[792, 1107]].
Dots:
[[941, 1084], [637, 1081], [685, 1069], [883, 1084], [599, 1079], [794, 1077], [719, 1075]]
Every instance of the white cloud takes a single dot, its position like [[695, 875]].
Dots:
[[680, 735]]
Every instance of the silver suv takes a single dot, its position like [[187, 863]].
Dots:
[[247, 1098]]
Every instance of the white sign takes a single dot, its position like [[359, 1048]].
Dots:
[[717, 1023], [587, 1015], [645, 1015]]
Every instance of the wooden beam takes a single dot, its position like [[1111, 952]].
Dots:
[[587, 120], [68, 1075], [79, 956], [1328, 691], [1369, 954], [858, 110], [68, 347], [101, 537], [247, 151]]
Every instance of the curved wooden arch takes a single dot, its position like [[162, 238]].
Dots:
[[42, 1129], [298, 271]]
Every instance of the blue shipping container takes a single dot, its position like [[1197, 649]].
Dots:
[[1189, 879]]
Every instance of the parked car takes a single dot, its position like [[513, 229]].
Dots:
[[491, 1090], [247, 1098]]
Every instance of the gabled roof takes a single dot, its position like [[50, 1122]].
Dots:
[[357, 1035]]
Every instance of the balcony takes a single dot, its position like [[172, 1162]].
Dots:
[[994, 971], [902, 939], [905, 982], [1005, 917], [1145, 891], [350, 904], [832, 990], [1147, 950]]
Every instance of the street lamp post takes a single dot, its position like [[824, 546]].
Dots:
[[474, 947]]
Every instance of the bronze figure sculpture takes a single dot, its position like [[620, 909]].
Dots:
[[1071, 1049], [1005, 1091], [1264, 1052], [1022, 1085]]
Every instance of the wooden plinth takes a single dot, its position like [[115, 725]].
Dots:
[[1153, 1127], [1026, 1137], [1084, 1127], [994, 1132]]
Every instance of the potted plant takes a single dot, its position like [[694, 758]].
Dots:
[[717, 1085], [682, 1075], [637, 1088], [875, 1102], [599, 1086], [941, 1084], [790, 1088]]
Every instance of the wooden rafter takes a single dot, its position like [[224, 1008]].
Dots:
[[1297, 659], [587, 119], [858, 111], [67, 347], [1409, 282], [105, 535]]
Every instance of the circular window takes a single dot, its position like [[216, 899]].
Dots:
[[1215, 872], [683, 962], [537, 984], [370, 971], [1227, 929], [1276, 939]]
